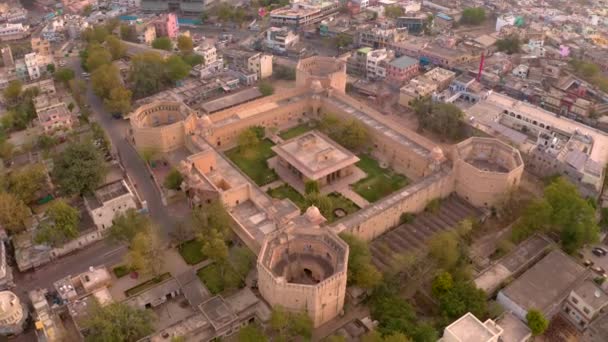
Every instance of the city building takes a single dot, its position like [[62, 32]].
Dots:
[[376, 64], [208, 52], [303, 269], [191, 7], [356, 64], [435, 80], [7, 57], [10, 31], [166, 26], [541, 287], [402, 69], [504, 20], [33, 68], [281, 39], [108, 201], [414, 22], [469, 328], [255, 62], [13, 314], [314, 157], [445, 57], [380, 37], [47, 322], [550, 144], [303, 13], [585, 303], [53, 114]]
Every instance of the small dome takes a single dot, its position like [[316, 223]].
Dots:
[[437, 154], [316, 86], [314, 215], [206, 121]]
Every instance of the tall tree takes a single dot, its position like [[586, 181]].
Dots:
[[251, 333], [212, 216], [173, 180], [185, 44], [13, 212], [443, 248], [162, 43], [97, 56], [393, 11], [119, 100], [104, 79], [27, 181], [62, 225], [147, 73], [361, 271], [128, 224], [80, 169], [117, 48], [146, 253], [473, 15], [64, 75], [118, 322], [12, 92], [444, 119], [176, 68], [248, 139], [128, 33]]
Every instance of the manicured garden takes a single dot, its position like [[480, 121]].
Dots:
[[216, 282], [295, 131], [341, 202], [146, 285], [379, 182], [192, 252], [253, 161], [286, 191]]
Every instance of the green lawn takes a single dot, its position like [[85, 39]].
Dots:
[[148, 284], [253, 161], [295, 131], [379, 182], [216, 283], [342, 202], [286, 191], [192, 252], [121, 271]]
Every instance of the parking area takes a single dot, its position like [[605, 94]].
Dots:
[[601, 261]]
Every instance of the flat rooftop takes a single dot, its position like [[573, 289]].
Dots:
[[541, 287], [315, 155], [231, 100], [470, 329], [488, 112], [217, 312]]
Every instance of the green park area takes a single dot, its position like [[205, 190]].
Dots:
[[192, 251], [253, 161], [286, 191], [379, 182], [295, 131]]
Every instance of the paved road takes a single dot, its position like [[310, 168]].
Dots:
[[135, 166], [99, 253]]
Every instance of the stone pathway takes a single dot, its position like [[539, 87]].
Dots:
[[353, 196]]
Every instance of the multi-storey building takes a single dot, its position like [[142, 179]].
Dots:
[[108, 201], [376, 64], [52, 114], [256, 62], [194, 7], [303, 13], [7, 57], [166, 26], [584, 304], [31, 63], [402, 69], [13, 31], [280, 39], [208, 52], [379, 37], [435, 80], [414, 22]]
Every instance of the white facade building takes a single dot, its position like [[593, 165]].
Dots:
[[280, 39], [208, 52], [12, 314], [468, 328], [503, 21], [375, 66], [31, 63], [108, 201]]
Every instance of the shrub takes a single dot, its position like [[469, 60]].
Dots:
[[173, 180]]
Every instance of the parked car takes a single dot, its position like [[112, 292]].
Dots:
[[598, 269], [588, 263], [598, 252]]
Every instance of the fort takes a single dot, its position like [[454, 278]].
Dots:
[[301, 260]]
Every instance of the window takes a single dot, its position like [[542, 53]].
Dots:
[[574, 300]]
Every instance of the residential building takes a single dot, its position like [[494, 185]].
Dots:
[[433, 81], [7, 57], [280, 39], [521, 71], [256, 62], [14, 15], [443, 21], [166, 26], [192, 7], [108, 201], [504, 20], [303, 13], [585, 303], [10, 31], [13, 314], [551, 144], [21, 70], [542, 288], [47, 322], [379, 37], [356, 64], [414, 22], [445, 57], [31, 63], [376, 64], [53, 114], [402, 69], [44, 53], [469, 328], [208, 52]]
